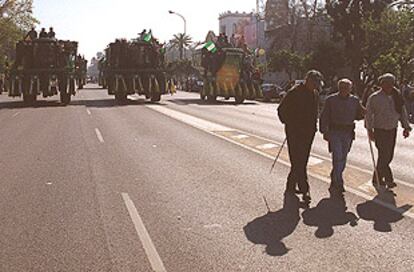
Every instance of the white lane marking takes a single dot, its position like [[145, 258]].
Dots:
[[190, 120], [314, 161], [89, 112], [149, 247], [314, 175], [366, 186], [16, 114], [99, 135], [266, 146], [240, 137]]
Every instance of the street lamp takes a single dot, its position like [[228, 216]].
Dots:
[[182, 17]]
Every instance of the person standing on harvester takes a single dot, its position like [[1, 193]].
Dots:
[[299, 112]]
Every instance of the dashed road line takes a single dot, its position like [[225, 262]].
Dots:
[[190, 120], [366, 186], [16, 114], [99, 136], [88, 112], [266, 146], [313, 161], [149, 247], [240, 137]]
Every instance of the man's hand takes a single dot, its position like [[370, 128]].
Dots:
[[406, 133], [371, 135]]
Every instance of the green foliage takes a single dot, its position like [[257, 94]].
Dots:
[[328, 58], [16, 18], [181, 41], [181, 68], [348, 18], [389, 44], [287, 61]]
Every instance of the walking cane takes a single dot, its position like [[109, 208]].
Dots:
[[278, 155], [373, 162]]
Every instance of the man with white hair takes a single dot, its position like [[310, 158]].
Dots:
[[337, 124], [385, 109]]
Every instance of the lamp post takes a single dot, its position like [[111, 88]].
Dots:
[[182, 17]]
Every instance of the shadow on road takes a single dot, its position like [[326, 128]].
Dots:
[[273, 227], [194, 101], [99, 103], [382, 217], [329, 212], [38, 104]]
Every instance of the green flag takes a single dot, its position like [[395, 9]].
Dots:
[[211, 47], [148, 37]]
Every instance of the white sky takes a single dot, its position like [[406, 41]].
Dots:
[[96, 23]]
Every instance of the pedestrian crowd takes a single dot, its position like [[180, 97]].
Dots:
[[385, 108]]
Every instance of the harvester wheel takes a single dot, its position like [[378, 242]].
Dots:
[[211, 98], [29, 99], [239, 100], [65, 98], [155, 97], [121, 97]]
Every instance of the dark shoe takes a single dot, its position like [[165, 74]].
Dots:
[[306, 198], [391, 184]]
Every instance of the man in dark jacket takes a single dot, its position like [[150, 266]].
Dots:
[[299, 112]]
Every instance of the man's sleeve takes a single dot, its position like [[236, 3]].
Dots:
[[369, 117], [325, 118], [360, 112], [404, 119], [284, 108]]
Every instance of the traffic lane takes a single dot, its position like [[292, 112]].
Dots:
[[50, 219], [261, 119], [202, 201], [109, 175]]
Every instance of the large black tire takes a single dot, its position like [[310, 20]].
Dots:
[[162, 81], [29, 99], [121, 97], [239, 100], [156, 97], [65, 98], [211, 98]]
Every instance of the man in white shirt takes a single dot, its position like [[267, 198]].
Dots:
[[385, 108]]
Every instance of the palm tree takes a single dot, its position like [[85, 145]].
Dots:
[[181, 41]]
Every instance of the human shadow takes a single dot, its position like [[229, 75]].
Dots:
[[329, 212], [382, 216], [273, 227]]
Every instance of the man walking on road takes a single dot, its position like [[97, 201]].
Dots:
[[338, 128], [384, 109], [299, 112]]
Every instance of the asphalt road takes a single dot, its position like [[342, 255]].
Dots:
[[98, 186]]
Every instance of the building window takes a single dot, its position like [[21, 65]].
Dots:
[[223, 29]]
